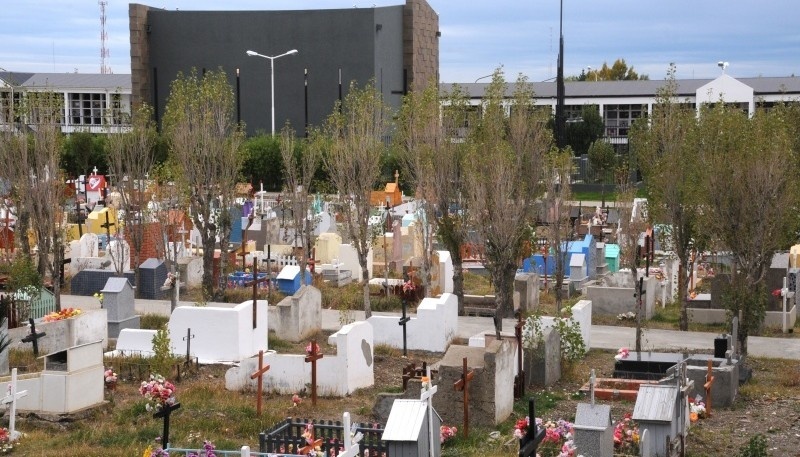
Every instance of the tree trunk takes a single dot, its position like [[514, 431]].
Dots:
[[365, 284], [503, 292], [208, 267], [458, 282], [682, 295]]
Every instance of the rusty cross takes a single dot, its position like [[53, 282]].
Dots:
[[519, 380], [313, 354], [707, 386], [462, 385], [260, 375]]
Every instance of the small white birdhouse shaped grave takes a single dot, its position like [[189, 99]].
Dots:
[[408, 430]]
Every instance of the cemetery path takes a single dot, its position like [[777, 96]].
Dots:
[[602, 336]]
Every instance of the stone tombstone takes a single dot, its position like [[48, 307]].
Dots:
[[152, 276], [577, 267], [726, 378], [491, 390], [119, 252], [779, 268], [118, 300], [299, 316], [327, 247], [542, 364], [90, 281], [88, 246], [594, 433], [526, 287], [397, 246]]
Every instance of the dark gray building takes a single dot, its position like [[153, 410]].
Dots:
[[396, 46]]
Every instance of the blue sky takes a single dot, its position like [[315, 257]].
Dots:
[[758, 38]]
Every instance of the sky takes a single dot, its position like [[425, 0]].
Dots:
[[757, 38]]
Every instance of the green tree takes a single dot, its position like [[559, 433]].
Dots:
[[670, 168], [602, 158], [505, 157], [82, 152], [618, 71], [559, 230], [581, 133], [205, 141], [355, 132], [262, 163], [749, 194]]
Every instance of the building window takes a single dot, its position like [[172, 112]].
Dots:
[[9, 103], [45, 107], [618, 118], [87, 109]]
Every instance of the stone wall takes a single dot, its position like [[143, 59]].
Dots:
[[420, 44], [140, 55]]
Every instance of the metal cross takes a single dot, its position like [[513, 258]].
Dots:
[[164, 413], [188, 339], [33, 337]]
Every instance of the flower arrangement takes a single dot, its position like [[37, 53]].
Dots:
[[312, 347], [158, 392], [99, 297], [61, 315], [447, 433], [110, 379], [557, 440], [6, 443], [409, 287], [624, 316], [622, 353], [626, 436], [425, 383], [207, 451], [697, 409]]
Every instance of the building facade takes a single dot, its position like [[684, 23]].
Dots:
[[94, 103], [396, 47]]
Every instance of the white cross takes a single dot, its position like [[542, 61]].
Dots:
[[94, 170], [426, 396], [591, 386], [351, 447], [12, 398], [785, 294]]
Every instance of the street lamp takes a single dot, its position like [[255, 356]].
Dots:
[[272, 78]]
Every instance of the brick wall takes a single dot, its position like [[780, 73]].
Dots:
[[420, 44]]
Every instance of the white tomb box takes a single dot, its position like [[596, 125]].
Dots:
[[73, 378]]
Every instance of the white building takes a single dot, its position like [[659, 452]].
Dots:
[[94, 103]]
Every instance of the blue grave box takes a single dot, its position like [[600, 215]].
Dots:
[[289, 279]]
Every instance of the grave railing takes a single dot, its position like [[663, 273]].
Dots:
[[287, 436], [180, 452]]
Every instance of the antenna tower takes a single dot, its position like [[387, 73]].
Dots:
[[104, 54]]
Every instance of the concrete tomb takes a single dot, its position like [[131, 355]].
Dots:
[[152, 275], [118, 300], [298, 316]]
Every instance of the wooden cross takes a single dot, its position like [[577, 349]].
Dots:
[[188, 339], [33, 337], [426, 395], [462, 385], [403, 321], [80, 217], [519, 380], [707, 386], [312, 357], [254, 283], [108, 224], [260, 375], [11, 398], [164, 413]]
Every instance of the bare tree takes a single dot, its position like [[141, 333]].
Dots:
[[558, 194], [356, 130], [505, 163], [670, 167], [205, 141], [131, 157], [299, 166]]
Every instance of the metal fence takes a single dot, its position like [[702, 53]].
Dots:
[[287, 436]]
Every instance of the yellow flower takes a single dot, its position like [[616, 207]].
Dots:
[[148, 451]]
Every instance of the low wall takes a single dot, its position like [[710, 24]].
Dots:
[[772, 319], [617, 300], [87, 327], [433, 328], [337, 375]]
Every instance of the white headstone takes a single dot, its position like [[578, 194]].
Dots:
[[88, 246], [120, 254]]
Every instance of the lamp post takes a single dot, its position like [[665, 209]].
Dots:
[[272, 79]]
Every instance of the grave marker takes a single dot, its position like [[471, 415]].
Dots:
[[426, 395], [188, 339], [107, 225], [260, 375], [707, 386], [529, 443], [313, 355], [11, 398], [462, 385], [351, 447], [519, 380], [164, 413], [33, 337], [735, 333], [254, 283], [403, 321]]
